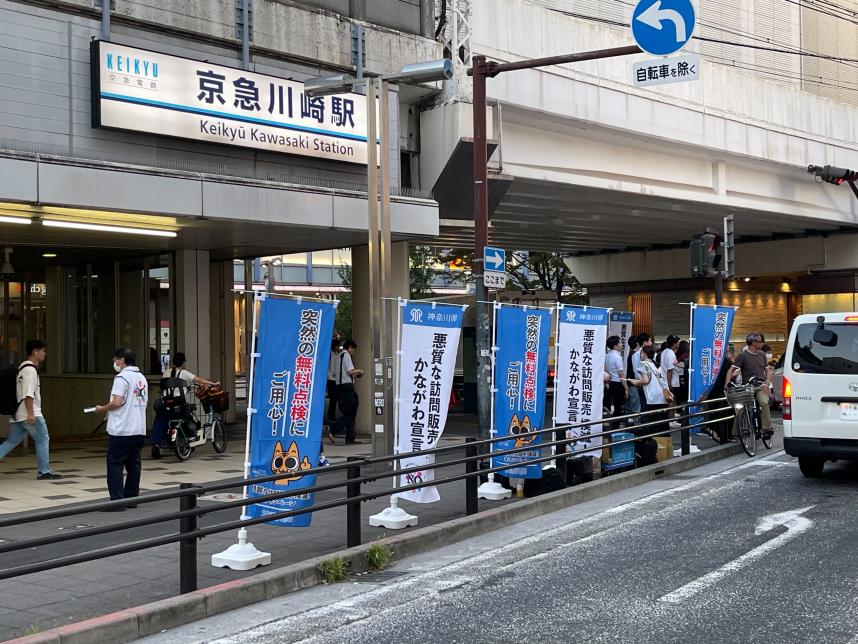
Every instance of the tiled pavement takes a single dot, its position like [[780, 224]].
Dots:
[[43, 600], [83, 468]]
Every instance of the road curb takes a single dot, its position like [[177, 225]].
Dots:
[[133, 623]]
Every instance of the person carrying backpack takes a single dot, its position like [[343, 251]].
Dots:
[[22, 400]]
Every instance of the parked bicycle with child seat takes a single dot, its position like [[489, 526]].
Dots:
[[194, 413], [748, 425]]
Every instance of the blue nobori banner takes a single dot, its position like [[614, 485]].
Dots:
[[710, 330], [288, 399], [427, 359], [520, 379], [582, 332]]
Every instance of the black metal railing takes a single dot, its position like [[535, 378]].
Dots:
[[708, 414]]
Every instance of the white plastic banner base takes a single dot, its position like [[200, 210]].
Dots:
[[491, 490], [392, 518], [241, 555]]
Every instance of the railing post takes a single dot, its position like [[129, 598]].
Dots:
[[560, 451], [353, 526], [187, 547], [685, 433], [471, 504]]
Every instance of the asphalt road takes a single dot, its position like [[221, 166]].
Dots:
[[738, 551]]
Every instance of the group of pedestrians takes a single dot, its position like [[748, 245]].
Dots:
[[126, 419], [656, 381]]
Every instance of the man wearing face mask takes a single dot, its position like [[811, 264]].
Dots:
[[126, 426]]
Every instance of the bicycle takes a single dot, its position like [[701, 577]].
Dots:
[[748, 426], [195, 418]]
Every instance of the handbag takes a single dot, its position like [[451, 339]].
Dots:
[[347, 398]]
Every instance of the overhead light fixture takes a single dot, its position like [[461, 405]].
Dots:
[[49, 255], [15, 220], [75, 225], [7, 265], [747, 279]]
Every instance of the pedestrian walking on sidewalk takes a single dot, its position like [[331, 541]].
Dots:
[[126, 425], [28, 418], [346, 395]]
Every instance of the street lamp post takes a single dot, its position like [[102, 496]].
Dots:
[[481, 70], [378, 228]]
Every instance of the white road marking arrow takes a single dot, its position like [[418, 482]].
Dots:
[[654, 14], [495, 260], [795, 525]]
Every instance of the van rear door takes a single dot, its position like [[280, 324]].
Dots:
[[824, 381]]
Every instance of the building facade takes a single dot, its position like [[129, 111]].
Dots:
[[620, 177], [140, 157]]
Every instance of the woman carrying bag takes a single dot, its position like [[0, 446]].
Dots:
[[658, 397]]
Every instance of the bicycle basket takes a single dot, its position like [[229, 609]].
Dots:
[[743, 394], [214, 399]]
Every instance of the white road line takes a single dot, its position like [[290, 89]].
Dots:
[[795, 524], [435, 580]]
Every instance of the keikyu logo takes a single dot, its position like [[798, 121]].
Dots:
[[133, 65]]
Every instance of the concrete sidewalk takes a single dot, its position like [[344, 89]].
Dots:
[[44, 600]]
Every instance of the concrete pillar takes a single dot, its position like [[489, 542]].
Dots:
[[193, 313], [222, 329], [361, 320]]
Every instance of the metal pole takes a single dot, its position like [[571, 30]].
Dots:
[[719, 289], [187, 547], [386, 269], [373, 259], [471, 504], [245, 34], [481, 235], [105, 19], [353, 527]]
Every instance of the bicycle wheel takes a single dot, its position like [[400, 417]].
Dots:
[[218, 435], [768, 442], [183, 447], [747, 435]]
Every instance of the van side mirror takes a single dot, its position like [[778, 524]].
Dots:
[[825, 337]]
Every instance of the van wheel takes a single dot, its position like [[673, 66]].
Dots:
[[811, 467]]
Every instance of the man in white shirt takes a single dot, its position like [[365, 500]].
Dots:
[[28, 417], [346, 373], [161, 423], [126, 426], [617, 386]]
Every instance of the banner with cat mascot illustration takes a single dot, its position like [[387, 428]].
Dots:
[[287, 401], [520, 381]]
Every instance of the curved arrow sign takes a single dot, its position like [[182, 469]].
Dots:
[[654, 15], [795, 524], [663, 27]]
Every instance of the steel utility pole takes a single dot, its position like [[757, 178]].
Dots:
[[481, 70]]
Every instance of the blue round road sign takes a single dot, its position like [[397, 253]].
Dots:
[[663, 27]]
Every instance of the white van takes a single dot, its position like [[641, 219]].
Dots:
[[820, 390]]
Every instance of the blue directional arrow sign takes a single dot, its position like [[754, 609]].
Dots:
[[494, 267], [663, 27], [494, 259]]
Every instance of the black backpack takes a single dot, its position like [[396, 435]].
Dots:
[[9, 389]]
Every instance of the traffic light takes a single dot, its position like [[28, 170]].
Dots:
[[706, 255], [697, 251], [832, 174], [714, 254]]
